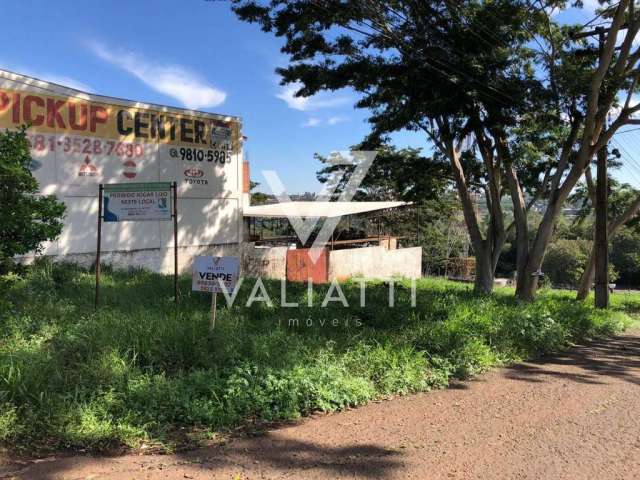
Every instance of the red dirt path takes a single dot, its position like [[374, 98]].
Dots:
[[572, 416]]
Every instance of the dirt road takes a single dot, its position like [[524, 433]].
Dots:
[[574, 416]]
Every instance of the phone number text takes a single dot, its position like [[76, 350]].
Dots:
[[87, 146]]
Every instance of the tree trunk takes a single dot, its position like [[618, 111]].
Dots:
[[528, 283], [587, 276], [483, 284], [521, 224], [481, 247]]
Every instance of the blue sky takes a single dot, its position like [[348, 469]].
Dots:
[[196, 53], [142, 50]]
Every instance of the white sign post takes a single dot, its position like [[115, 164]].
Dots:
[[215, 274]]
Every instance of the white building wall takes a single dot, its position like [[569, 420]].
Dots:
[[209, 214], [375, 262]]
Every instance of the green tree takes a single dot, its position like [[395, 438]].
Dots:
[[421, 66], [26, 218], [565, 261], [433, 220], [588, 84], [258, 197], [476, 77], [396, 174], [625, 255]]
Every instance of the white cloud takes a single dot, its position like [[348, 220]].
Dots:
[[312, 122], [336, 120], [317, 122], [591, 5], [63, 80], [315, 102], [175, 81]]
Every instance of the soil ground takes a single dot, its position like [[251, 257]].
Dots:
[[571, 416]]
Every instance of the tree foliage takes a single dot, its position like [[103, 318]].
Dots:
[[26, 218], [625, 256], [449, 69], [396, 174], [513, 101]]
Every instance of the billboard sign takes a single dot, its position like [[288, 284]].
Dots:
[[82, 141], [209, 272], [137, 201]]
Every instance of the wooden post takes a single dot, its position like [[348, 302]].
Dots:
[[214, 301], [418, 223], [601, 238], [97, 298], [601, 241], [175, 241]]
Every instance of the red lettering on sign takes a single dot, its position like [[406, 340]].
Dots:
[[98, 115], [53, 113], [73, 122], [28, 118], [15, 113], [4, 101]]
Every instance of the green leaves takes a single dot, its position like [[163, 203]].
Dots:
[[26, 218], [135, 371]]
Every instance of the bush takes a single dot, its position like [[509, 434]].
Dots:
[[139, 370], [565, 260], [625, 256], [27, 219]]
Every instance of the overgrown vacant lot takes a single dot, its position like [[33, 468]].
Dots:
[[139, 372]]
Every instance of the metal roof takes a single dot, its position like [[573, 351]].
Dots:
[[58, 89], [316, 209]]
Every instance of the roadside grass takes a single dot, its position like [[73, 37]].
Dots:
[[139, 372]]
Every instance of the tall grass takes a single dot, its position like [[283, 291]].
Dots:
[[141, 371]]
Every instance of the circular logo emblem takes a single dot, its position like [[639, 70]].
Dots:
[[130, 169], [193, 173]]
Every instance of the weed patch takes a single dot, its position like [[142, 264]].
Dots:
[[140, 370]]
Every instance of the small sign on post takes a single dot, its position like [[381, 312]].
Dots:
[[137, 201], [127, 202], [215, 275]]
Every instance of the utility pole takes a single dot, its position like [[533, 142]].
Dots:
[[601, 237], [601, 207]]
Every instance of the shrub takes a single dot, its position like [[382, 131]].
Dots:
[[138, 370], [625, 255], [565, 260], [27, 219]]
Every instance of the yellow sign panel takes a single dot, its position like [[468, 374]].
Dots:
[[47, 113]]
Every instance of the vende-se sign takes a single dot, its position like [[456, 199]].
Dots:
[[208, 272], [137, 201]]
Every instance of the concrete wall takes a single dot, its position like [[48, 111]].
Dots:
[[375, 262], [264, 262], [371, 262], [154, 259]]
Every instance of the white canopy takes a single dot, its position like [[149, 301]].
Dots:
[[316, 209]]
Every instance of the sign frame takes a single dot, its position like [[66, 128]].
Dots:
[[137, 212], [217, 285], [146, 186]]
